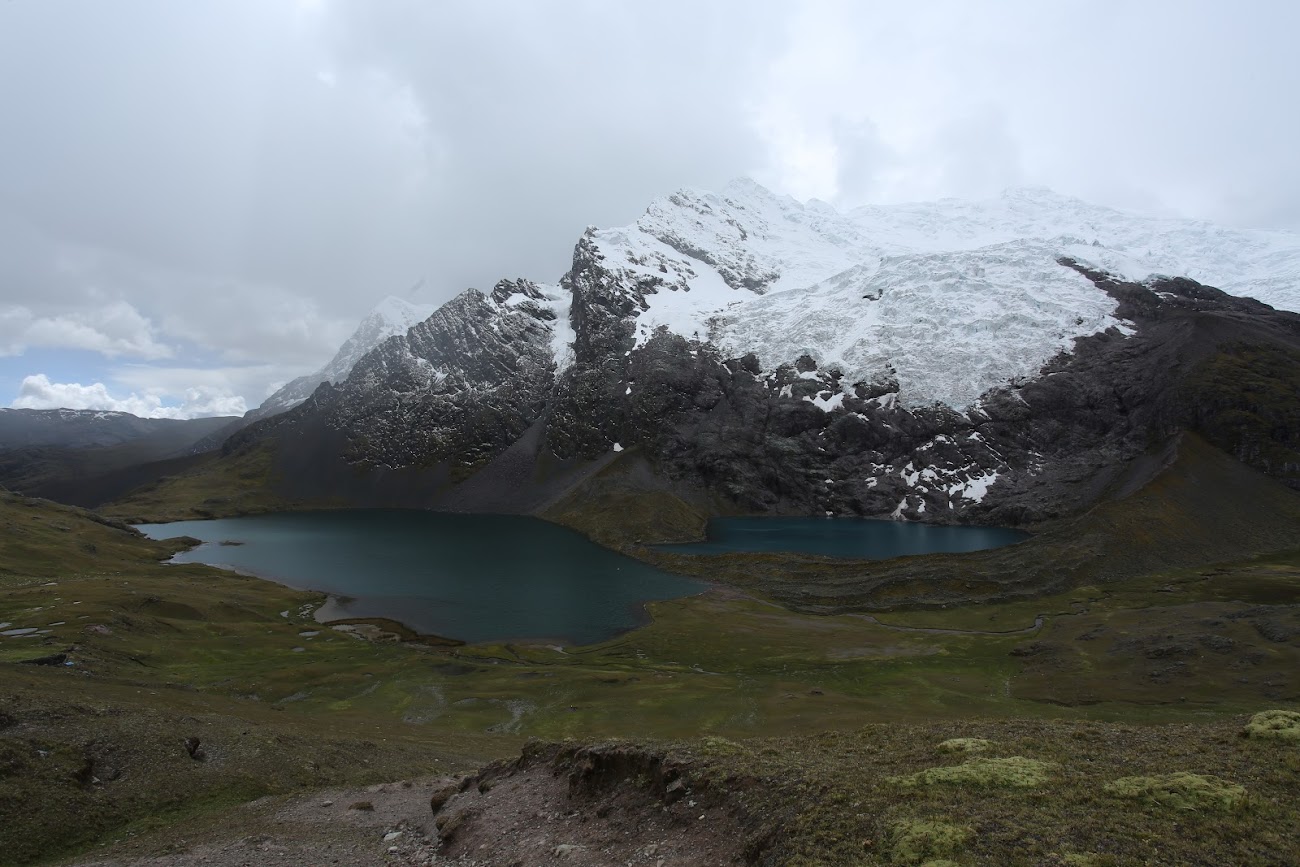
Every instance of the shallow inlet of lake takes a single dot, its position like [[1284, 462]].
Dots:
[[856, 538], [482, 578]]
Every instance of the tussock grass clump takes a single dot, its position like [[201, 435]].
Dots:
[[917, 841], [713, 745], [965, 745], [1013, 772], [1181, 791], [1283, 725]]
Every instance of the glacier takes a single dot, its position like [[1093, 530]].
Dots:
[[950, 298]]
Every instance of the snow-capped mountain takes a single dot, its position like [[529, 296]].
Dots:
[[464, 383], [391, 316], [748, 229], [876, 287], [1001, 360]]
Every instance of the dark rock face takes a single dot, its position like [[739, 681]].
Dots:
[[461, 389], [796, 440]]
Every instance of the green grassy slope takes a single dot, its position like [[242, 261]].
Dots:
[[214, 485], [1010, 793], [98, 746], [162, 653]]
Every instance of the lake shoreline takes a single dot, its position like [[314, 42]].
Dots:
[[441, 579]]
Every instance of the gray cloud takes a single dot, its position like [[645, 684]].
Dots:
[[112, 329], [228, 185]]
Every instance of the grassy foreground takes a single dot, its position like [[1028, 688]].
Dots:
[[1150, 677], [1014, 792]]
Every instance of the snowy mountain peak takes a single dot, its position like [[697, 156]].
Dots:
[[959, 296], [390, 317], [399, 315], [743, 186], [945, 299], [1036, 193]]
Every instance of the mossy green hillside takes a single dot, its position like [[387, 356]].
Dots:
[[1104, 794], [153, 645], [216, 485], [723, 663], [86, 759]]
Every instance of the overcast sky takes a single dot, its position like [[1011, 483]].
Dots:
[[199, 199]]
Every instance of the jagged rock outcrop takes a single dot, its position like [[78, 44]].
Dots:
[[392, 316]]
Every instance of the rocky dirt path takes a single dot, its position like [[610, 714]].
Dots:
[[388, 824], [592, 808]]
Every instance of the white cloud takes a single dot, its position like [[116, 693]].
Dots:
[[114, 329], [38, 392], [962, 99], [76, 295], [160, 198]]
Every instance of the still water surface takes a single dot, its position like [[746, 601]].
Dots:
[[858, 538], [472, 577], [513, 578]]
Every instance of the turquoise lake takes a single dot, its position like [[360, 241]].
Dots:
[[858, 538], [513, 578], [471, 577]]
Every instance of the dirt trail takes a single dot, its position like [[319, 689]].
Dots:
[[589, 808], [324, 827]]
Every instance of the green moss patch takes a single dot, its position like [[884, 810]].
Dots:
[[713, 745], [1180, 791], [1014, 772], [915, 841], [965, 745], [1283, 725]]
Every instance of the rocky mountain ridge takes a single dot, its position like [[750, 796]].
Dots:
[[944, 362], [391, 316]]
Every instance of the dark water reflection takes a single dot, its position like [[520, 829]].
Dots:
[[472, 577], [857, 538]]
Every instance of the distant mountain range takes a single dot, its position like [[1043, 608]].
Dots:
[[86, 457], [92, 428]]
